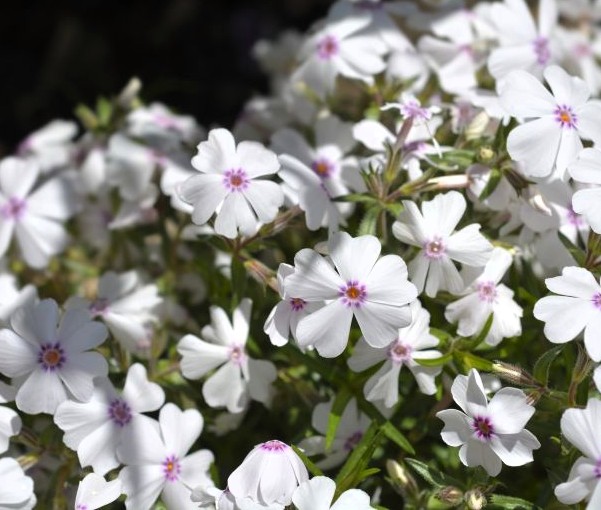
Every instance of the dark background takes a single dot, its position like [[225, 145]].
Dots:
[[193, 55]]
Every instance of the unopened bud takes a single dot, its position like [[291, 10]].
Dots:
[[450, 182], [450, 495], [486, 154], [401, 478], [261, 273], [513, 374], [129, 93], [538, 202], [475, 499]]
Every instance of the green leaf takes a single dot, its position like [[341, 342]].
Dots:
[[432, 475], [509, 502], [338, 407], [366, 473], [576, 252], [369, 222], [357, 198], [543, 364], [434, 362], [485, 330], [396, 436], [104, 111], [469, 361], [491, 185], [87, 117], [311, 467]]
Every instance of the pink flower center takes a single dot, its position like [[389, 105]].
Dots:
[[413, 110], [353, 293], [274, 446], [297, 304], [327, 47], [597, 469], [81, 506], [120, 412], [483, 428], [171, 468], [14, 208], [51, 356], [235, 180], [99, 307], [597, 300], [399, 352], [237, 355], [565, 116], [166, 122], [435, 248], [323, 168], [352, 441], [573, 217], [542, 50], [581, 50], [487, 291]]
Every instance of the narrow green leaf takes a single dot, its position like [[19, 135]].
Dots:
[[485, 330], [369, 222], [366, 473], [396, 436], [432, 475], [543, 364], [104, 111], [434, 362], [493, 181], [576, 252], [509, 502], [338, 407], [311, 467], [357, 198]]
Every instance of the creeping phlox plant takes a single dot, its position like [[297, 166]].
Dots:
[[379, 289]]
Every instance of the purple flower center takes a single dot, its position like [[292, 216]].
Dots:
[[413, 110], [581, 50], [120, 412], [323, 168], [327, 47], [487, 291], [14, 208], [297, 304], [171, 468], [51, 356], [81, 506], [369, 5], [542, 50], [597, 469], [573, 217], [435, 248], [597, 300], [565, 116], [235, 180], [399, 352], [274, 446], [483, 428], [237, 355], [353, 293], [99, 307], [416, 146], [352, 441]]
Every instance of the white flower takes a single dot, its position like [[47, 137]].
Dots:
[[339, 48], [51, 146], [577, 308], [212, 498], [374, 290], [284, 317], [432, 230], [156, 463], [239, 377], [581, 428], [412, 344], [269, 474], [490, 433], [10, 421], [35, 217], [552, 138], [318, 493], [587, 169], [94, 492], [50, 363], [95, 428], [228, 184], [11, 298], [485, 295], [16, 488], [127, 306], [353, 424]]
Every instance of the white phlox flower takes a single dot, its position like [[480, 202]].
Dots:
[[228, 184], [95, 492], [581, 54], [490, 433], [16, 488], [353, 424], [551, 139], [587, 201], [581, 428], [51, 146], [341, 47], [51, 363], [10, 421], [127, 306], [268, 475], [413, 343], [579, 10], [478, 177], [577, 307], [523, 44], [318, 493], [95, 428], [356, 283], [212, 498], [486, 295], [156, 463], [11, 297], [283, 319], [239, 377], [34, 215], [433, 230]]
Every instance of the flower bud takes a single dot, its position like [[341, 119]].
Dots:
[[450, 495], [486, 154], [401, 478], [513, 373], [474, 499]]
